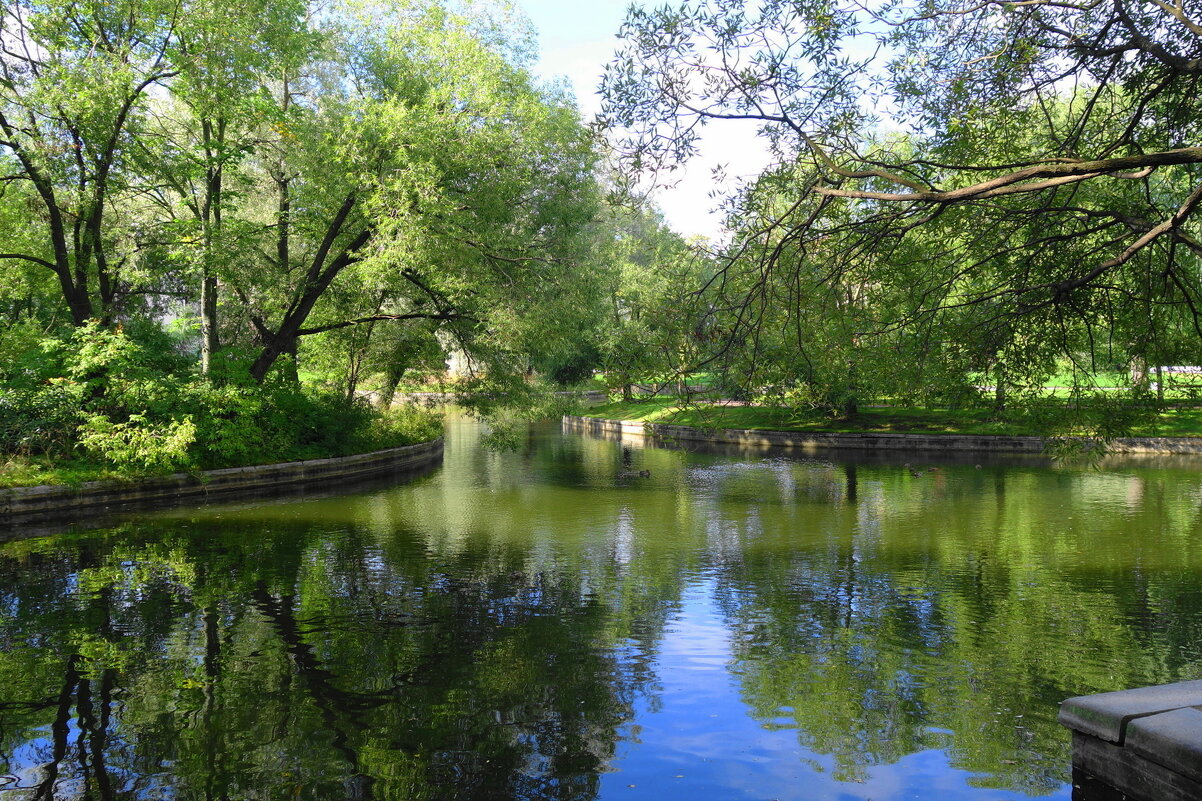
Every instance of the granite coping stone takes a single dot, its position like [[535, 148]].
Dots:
[[19, 505], [1113, 773], [909, 441], [1172, 739], [1107, 715]]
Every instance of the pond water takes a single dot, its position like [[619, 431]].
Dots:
[[547, 623]]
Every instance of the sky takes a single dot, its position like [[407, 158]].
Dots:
[[576, 39]]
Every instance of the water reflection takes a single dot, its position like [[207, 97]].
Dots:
[[550, 624]]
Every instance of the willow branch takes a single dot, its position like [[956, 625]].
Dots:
[[1039, 177]]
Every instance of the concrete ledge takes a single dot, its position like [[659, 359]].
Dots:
[[1106, 715], [1145, 742], [899, 442], [1172, 739], [22, 504]]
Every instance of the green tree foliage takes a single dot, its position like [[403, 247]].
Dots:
[[1031, 198], [383, 181], [295, 172], [649, 331], [74, 86]]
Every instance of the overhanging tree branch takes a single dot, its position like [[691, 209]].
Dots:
[[379, 318], [1040, 177], [33, 259]]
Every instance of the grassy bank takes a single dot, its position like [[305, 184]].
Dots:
[[890, 420], [365, 433], [123, 404]]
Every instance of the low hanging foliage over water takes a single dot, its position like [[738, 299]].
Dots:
[[960, 198]]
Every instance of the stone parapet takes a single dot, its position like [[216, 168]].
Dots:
[[590, 395], [867, 441], [1145, 742], [24, 504]]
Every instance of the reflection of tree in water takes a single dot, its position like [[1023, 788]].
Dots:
[[878, 641], [239, 664], [499, 652]]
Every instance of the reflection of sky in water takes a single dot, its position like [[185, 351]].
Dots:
[[740, 625], [696, 740]]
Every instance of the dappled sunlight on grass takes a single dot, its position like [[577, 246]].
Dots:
[[21, 471], [883, 420]]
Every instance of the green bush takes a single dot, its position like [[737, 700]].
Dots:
[[125, 398], [40, 420], [139, 444]]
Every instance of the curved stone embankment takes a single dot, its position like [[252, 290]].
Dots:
[[877, 442], [25, 504]]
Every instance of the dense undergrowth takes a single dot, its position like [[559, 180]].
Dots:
[[116, 403]]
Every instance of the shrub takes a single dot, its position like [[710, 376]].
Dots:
[[132, 401], [139, 443], [235, 425], [41, 419]]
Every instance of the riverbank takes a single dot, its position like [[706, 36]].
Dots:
[[56, 502], [1172, 422], [871, 440]]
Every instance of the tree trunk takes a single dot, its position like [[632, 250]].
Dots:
[[77, 301], [391, 382], [279, 345], [320, 275], [209, 343], [214, 137]]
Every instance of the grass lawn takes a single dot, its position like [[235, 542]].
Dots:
[[888, 420], [22, 471]]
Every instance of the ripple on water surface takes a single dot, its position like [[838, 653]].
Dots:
[[550, 623]]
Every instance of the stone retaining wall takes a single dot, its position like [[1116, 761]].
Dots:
[[22, 504], [1145, 742], [898, 442]]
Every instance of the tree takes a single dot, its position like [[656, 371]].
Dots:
[[647, 327], [74, 84], [210, 124], [366, 164], [422, 168], [1045, 180]]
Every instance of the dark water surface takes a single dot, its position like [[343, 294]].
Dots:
[[548, 624]]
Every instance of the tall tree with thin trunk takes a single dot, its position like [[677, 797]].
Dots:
[[74, 85]]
